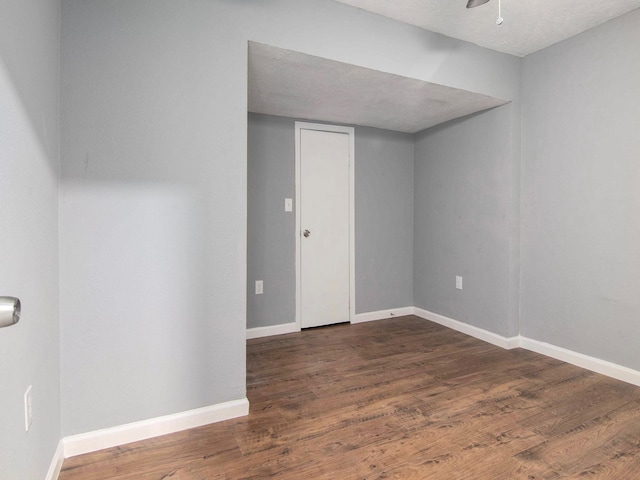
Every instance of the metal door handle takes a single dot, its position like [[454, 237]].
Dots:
[[9, 311], [306, 233]]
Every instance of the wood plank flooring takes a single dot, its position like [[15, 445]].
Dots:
[[398, 399]]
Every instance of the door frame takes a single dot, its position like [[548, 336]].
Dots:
[[350, 131]]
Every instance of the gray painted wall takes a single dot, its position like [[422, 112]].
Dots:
[[384, 219], [153, 199], [153, 211], [383, 230], [581, 195], [29, 164], [463, 195], [270, 230]]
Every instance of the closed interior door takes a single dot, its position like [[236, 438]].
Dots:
[[324, 227]]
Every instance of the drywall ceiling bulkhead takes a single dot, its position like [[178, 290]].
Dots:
[[292, 84]]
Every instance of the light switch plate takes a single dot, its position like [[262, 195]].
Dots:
[[458, 282], [288, 204], [259, 287]]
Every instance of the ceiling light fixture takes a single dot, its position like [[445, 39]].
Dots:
[[477, 3]]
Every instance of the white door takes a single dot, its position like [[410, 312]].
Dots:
[[325, 214]]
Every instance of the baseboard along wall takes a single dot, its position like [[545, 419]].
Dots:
[[594, 364], [587, 362], [382, 314], [56, 463], [479, 333], [259, 332], [597, 365], [154, 427]]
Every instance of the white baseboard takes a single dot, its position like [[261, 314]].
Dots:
[[56, 463], [479, 333], [154, 427], [382, 314], [590, 363], [609, 369], [281, 329], [593, 364]]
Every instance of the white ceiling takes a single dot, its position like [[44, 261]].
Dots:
[[292, 84], [529, 25]]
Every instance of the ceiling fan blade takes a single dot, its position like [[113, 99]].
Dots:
[[476, 3]]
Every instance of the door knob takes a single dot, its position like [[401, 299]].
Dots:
[[306, 233], [9, 311]]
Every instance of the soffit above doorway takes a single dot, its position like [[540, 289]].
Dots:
[[296, 85]]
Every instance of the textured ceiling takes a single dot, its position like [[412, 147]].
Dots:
[[529, 25], [292, 84]]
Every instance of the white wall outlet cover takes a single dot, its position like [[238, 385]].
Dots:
[[28, 408], [288, 204], [459, 282], [259, 287]]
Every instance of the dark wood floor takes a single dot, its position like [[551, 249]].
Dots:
[[398, 399]]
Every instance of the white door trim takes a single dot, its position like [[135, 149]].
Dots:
[[352, 258]]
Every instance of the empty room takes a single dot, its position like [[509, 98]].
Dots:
[[319, 239]]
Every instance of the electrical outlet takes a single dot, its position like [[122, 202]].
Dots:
[[259, 287], [459, 282], [28, 409]]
